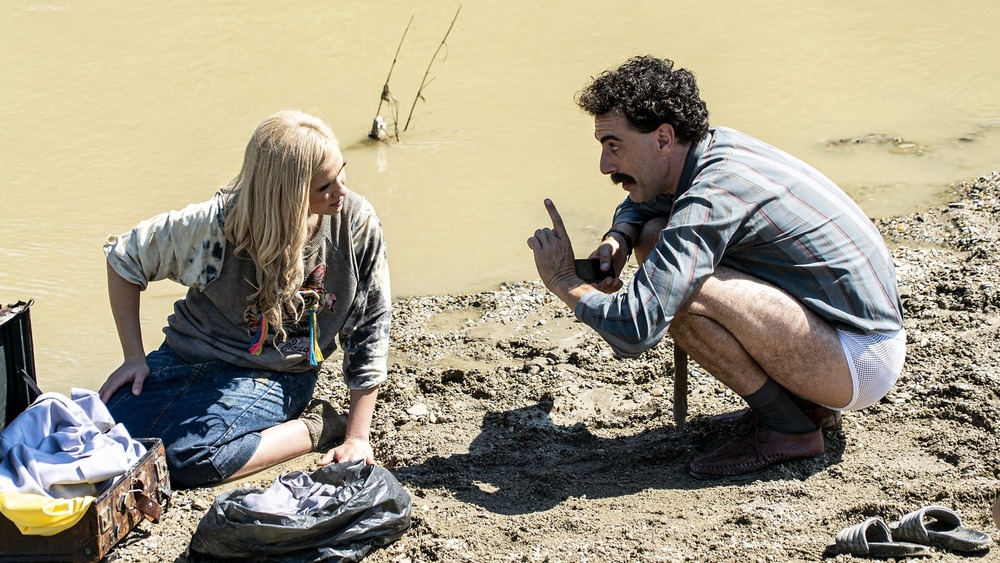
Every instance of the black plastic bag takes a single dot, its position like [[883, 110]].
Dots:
[[370, 509]]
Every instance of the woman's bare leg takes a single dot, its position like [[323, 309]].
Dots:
[[277, 444]]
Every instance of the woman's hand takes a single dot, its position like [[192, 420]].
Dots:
[[359, 422], [131, 371], [352, 449]]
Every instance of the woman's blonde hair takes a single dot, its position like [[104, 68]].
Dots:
[[266, 219]]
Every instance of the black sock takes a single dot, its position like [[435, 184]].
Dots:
[[803, 404], [776, 409]]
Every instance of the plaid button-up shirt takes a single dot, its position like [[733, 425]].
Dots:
[[744, 204]]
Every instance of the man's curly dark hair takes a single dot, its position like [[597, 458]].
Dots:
[[649, 92]]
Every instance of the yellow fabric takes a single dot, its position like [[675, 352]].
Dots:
[[40, 515]]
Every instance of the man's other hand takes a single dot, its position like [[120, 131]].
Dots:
[[611, 255]]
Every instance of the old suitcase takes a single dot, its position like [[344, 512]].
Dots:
[[143, 492]]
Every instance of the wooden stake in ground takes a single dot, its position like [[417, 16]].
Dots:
[[680, 385], [425, 82]]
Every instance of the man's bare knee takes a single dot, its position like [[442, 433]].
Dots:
[[681, 322], [729, 291]]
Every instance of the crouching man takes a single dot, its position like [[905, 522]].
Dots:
[[757, 265]]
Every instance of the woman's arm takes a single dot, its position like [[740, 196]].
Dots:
[[359, 421], [124, 298]]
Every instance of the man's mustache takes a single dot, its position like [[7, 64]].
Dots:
[[618, 178]]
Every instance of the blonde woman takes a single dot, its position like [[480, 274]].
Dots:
[[276, 265]]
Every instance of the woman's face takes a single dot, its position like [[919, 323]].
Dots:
[[328, 187]]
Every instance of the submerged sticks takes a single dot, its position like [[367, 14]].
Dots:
[[424, 82], [379, 129], [378, 124]]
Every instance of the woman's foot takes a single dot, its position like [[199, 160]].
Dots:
[[325, 424]]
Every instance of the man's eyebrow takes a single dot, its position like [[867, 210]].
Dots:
[[609, 138]]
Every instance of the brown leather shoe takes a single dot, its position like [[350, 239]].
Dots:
[[755, 451], [822, 417]]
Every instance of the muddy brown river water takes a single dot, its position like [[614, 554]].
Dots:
[[113, 112]]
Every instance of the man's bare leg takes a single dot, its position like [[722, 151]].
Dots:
[[759, 341], [743, 330]]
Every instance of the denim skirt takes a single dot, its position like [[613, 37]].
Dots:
[[209, 415]]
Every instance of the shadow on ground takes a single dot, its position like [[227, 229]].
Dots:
[[521, 462]]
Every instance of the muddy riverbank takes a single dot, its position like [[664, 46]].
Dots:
[[521, 438]]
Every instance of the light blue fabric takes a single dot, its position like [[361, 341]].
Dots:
[[65, 448]]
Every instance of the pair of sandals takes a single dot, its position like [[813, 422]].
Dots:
[[912, 536]]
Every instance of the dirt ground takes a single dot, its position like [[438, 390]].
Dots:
[[520, 437]]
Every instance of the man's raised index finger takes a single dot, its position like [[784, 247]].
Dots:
[[557, 222]]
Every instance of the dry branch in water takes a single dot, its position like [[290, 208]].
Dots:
[[378, 124], [379, 128], [425, 82]]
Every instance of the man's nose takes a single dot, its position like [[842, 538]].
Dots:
[[608, 166]]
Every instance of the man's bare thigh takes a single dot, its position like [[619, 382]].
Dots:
[[791, 343]]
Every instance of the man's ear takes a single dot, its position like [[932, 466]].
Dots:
[[665, 137]]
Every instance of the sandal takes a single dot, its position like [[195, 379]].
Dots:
[[872, 538], [938, 526]]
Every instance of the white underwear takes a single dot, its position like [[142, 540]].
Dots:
[[876, 360]]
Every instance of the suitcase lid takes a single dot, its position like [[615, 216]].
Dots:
[[18, 387]]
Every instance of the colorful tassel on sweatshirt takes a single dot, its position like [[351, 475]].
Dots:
[[311, 298], [257, 346], [315, 353]]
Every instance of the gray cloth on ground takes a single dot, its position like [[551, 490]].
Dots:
[[295, 493]]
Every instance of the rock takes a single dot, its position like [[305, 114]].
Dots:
[[418, 410]]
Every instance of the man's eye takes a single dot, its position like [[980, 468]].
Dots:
[[614, 149]]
